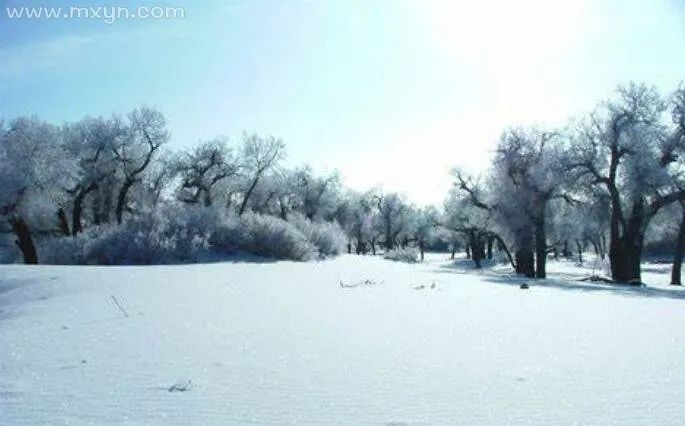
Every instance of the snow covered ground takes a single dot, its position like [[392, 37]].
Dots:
[[283, 342]]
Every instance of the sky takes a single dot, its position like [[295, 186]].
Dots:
[[390, 93]]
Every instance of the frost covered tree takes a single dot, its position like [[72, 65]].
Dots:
[[357, 216], [91, 142], [424, 228], [316, 196], [34, 170], [201, 170], [146, 133], [466, 212], [259, 155], [629, 150], [528, 175], [393, 217]]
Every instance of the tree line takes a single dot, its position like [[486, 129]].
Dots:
[[604, 181]]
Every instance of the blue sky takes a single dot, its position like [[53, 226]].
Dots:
[[391, 93]]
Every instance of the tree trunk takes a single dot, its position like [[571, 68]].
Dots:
[[62, 221], [503, 247], [468, 251], [421, 249], [525, 257], [360, 246], [121, 199], [477, 249], [489, 249], [679, 251], [454, 251], [388, 243], [625, 263], [579, 247], [525, 262], [247, 196], [24, 241], [625, 252], [108, 201], [540, 249], [77, 209]]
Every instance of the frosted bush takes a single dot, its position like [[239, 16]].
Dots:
[[170, 235], [64, 250], [186, 234], [328, 237], [408, 254], [262, 235]]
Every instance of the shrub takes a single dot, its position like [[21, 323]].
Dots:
[[328, 237], [64, 250], [169, 235], [186, 234], [409, 255], [262, 235]]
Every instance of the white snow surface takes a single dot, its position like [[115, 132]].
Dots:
[[283, 343]]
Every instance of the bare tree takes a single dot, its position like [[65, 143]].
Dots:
[[32, 171], [146, 134], [91, 142], [626, 148], [259, 155], [202, 169]]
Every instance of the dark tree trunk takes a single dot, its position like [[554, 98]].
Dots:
[[503, 247], [489, 249], [579, 247], [525, 262], [96, 206], [625, 263], [62, 221], [247, 196], [454, 251], [477, 249], [625, 252], [595, 247], [565, 251], [421, 249], [360, 246], [108, 201], [679, 252], [77, 210], [540, 249], [525, 257], [349, 247], [24, 241], [468, 251], [388, 243], [121, 199]]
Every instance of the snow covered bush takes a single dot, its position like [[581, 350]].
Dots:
[[328, 237], [66, 250], [409, 255], [173, 234], [262, 235], [185, 234]]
